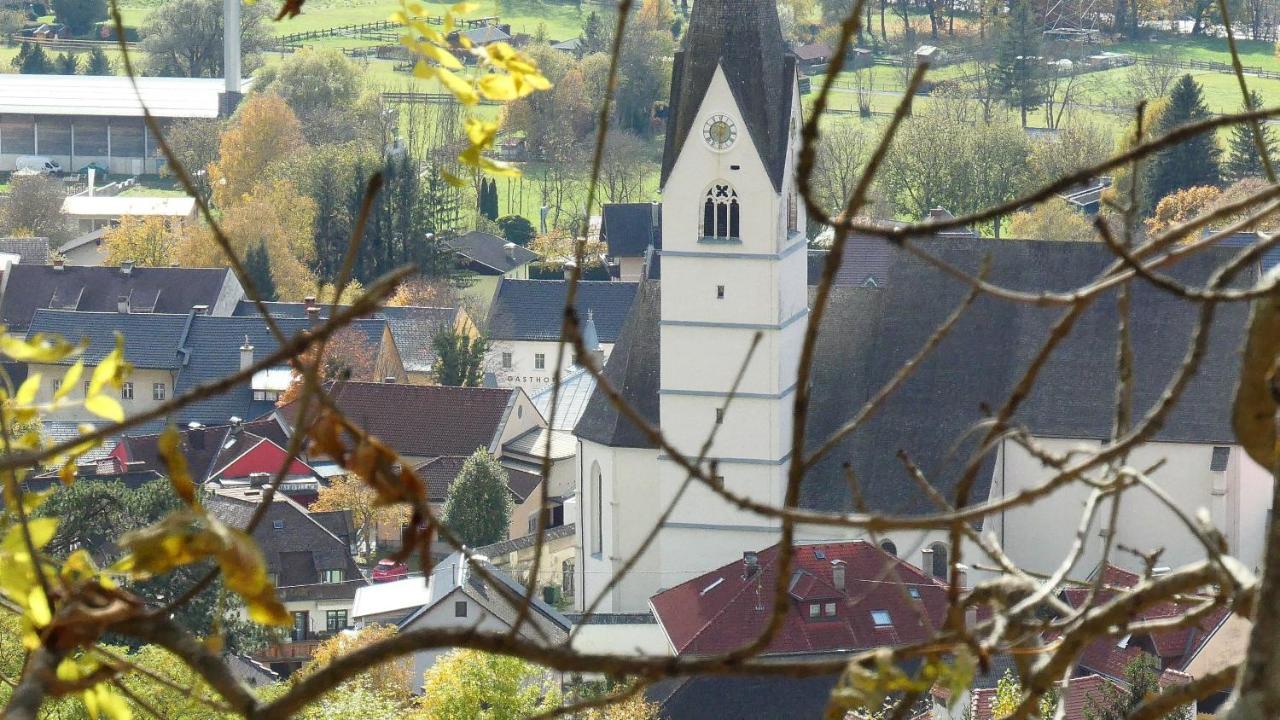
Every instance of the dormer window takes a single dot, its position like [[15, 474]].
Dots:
[[721, 213], [815, 610], [829, 609], [881, 618]]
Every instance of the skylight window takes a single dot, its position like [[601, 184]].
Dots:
[[881, 618], [711, 587], [914, 592]]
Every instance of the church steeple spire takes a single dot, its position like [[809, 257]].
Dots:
[[743, 37]]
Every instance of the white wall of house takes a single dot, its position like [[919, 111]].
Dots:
[[1037, 536], [621, 639], [143, 380], [523, 370], [631, 269], [444, 615]]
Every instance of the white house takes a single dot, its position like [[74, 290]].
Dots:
[[733, 266]]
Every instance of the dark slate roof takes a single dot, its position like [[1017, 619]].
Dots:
[[30, 250], [424, 420], [745, 38], [866, 262], [491, 252], [1270, 258], [869, 333], [534, 309], [756, 697], [296, 546], [150, 341], [630, 228], [413, 328], [213, 344], [98, 289]]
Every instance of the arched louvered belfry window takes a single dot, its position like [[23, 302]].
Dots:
[[941, 566], [721, 213]]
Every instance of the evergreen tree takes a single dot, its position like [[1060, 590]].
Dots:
[[1244, 160], [478, 505], [66, 64], [97, 64], [459, 358], [1019, 67], [516, 229], [1194, 161], [32, 60], [1142, 677], [258, 266], [595, 36], [491, 200]]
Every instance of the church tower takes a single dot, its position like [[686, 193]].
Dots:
[[733, 264]]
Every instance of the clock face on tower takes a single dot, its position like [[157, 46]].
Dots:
[[719, 132]]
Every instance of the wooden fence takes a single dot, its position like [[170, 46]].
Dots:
[[416, 98], [71, 44]]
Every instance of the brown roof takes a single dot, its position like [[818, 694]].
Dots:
[[424, 420]]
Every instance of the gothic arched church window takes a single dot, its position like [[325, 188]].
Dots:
[[721, 213]]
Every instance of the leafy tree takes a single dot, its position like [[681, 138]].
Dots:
[[643, 73], [424, 292], [351, 494], [1019, 66], [327, 93], [97, 64], [185, 39], [65, 64], [388, 680], [276, 215], [35, 209], [1142, 679], [466, 684], [32, 60], [258, 265], [1181, 206], [517, 229], [1194, 161], [195, 143], [1078, 145], [147, 241], [624, 168], [459, 358], [80, 15], [1052, 220], [265, 131], [478, 507], [1244, 160], [633, 708]]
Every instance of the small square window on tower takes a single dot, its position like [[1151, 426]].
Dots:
[[1218, 461], [719, 416], [719, 292]]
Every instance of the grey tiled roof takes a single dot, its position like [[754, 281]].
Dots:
[[150, 340], [869, 333], [413, 328], [214, 347], [534, 309], [98, 289], [745, 38], [30, 250], [490, 252], [630, 228]]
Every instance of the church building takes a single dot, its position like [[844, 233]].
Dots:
[[727, 300]]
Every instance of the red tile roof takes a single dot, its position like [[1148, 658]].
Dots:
[[725, 609], [1075, 696]]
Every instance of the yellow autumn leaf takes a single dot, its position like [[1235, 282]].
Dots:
[[38, 607], [27, 391], [176, 463], [42, 531], [460, 88], [38, 349], [105, 406], [69, 381], [109, 369], [498, 87]]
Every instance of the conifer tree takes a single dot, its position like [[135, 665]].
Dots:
[[1244, 160], [97, 64], [258, 265], [1019, 67], [478, 505], [32, 60], [66, 64], [1192, 162]]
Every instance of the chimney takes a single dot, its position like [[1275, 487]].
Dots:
[[309, 301], [126, 267], [313, 313], [195, 435], [258, 479], [246, 354], [926, 561], [389, 380], [58, 262], [231, 45], [837, 574], [122, 304], [200, 309], [568, 269], [510, 249], [750, 564]]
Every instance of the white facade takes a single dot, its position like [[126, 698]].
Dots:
[[530, 364]]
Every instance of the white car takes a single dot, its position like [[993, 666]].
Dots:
[[37, 163]]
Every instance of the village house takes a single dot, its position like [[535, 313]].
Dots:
[[308, 558], [95, 212], [632, 232], [734, 267], [488, 259], [525, 322]]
